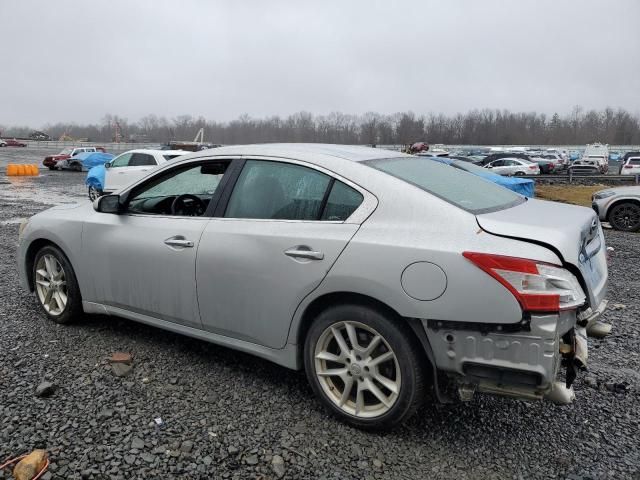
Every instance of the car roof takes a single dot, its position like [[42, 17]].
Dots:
[[156, 151], [303, 151]]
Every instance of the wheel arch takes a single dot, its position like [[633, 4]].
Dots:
[[30, 256], [327, 300], [619, 201]]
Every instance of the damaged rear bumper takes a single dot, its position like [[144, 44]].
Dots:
[[520, 360]]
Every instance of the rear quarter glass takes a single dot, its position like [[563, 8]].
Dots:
[[462, 189]]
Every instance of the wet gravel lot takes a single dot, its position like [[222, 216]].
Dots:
[[225, 414]]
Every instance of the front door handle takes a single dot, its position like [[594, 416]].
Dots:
[[179, 241], [302, 252]]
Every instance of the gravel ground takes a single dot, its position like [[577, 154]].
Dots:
[[229, 415]]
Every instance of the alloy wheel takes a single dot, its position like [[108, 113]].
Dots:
[[627, 217], [357, 369], [51, 284], [94, 193]]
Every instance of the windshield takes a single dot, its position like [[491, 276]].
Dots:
[[462, 189], [66, 151]]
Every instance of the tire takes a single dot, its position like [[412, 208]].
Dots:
[[51, 168], [625, 216], [48, 262], [400, 366], [519, 174], [94, 193]]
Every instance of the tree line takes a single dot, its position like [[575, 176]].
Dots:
[[476, 127]]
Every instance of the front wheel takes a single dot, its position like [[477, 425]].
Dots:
[[94, 193], [625, 216], [365, 366], [55, 285], [519, 174]]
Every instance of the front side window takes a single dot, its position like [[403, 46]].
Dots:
[[278, 191], [121, 160], [142, 160], [462, 189], [185, 191]]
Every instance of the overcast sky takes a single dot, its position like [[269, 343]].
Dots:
[[78, 60]]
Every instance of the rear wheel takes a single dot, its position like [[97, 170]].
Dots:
[[365, 366], [55, 285], [625, 216], [51, 168]]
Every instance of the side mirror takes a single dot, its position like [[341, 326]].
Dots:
[[107, 204], [107, 165]]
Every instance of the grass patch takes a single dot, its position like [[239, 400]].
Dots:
[[575, 194]]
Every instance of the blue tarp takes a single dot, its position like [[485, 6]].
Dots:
[[91, 159], [523, 186], [95, 177]]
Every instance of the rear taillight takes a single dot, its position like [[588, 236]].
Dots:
[[533, 167], [628, 166], [538, 286]]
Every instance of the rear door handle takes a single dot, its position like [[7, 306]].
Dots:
[[300, 252], [179, 241]]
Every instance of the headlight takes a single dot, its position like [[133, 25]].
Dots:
[[601, 195], [23, 225]]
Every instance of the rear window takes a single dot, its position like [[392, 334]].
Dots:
[[465, 190], [634, 161]]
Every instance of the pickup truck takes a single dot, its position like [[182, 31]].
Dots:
[[52, 161]]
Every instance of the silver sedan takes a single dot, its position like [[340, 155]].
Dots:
[[383, 275]]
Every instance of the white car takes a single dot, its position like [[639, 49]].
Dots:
[[130, 166], [513, 166], [631, 166], [561, 152]]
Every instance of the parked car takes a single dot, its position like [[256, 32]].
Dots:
[[523, 186], [12, 142], [548, 163], [560, 162], [368, 268], [134, 164], [561, 152], [592, 164], [51, 161], [465, 158], [513, 166], [631, 166], [627, 156], [595, 159], [620, 206]]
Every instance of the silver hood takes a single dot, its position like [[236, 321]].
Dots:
[[573, 232]]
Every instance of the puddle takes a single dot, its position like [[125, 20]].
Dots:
[[47, 190]]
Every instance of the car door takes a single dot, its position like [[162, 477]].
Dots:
[[139, 165], [512, 167], [498, 166], [143, 260], [283, 227], [114, 177]]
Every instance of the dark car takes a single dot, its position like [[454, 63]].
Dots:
[[463, 158], [13, 143], [497, 156]]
